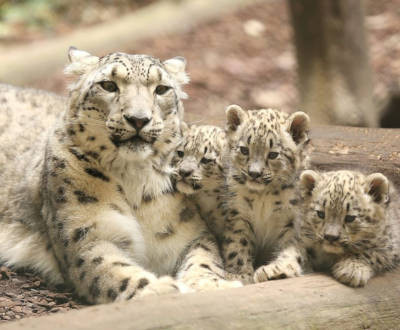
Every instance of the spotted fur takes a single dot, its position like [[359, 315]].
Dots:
[[199, 163], [350, 224], [267, 153], [90, 193]]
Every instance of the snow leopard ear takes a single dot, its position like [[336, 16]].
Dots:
[[377, 187], [80, 61], [235, 116], [176, 68], [308, 181], [298, 126]]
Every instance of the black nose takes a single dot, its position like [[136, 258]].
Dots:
[[331, 238], [137, 123], [254, 175], [185, 173]]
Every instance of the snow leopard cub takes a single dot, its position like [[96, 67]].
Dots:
[[200, 173], [267, 151], [350, 224]]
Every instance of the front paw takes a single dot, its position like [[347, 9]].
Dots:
[[277, 270], [161, 286], [352, 273]]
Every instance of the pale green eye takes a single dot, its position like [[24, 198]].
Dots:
[[349, 218], [162, 89], [109, 86], [205, 160], [273, 155], [244, 150]]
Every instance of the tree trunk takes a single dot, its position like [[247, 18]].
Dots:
[[335, 82]]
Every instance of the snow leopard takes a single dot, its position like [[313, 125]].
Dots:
[[199, 165], [87, 197], [267, 152], [350, 224]]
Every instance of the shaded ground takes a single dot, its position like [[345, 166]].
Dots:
[[24, 294], [244, 58]]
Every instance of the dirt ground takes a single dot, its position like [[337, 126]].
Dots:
[[245, 58]]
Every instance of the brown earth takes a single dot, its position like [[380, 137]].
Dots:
[[245, 58]]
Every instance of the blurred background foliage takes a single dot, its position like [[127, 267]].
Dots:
[[247, 56], [32, 19]]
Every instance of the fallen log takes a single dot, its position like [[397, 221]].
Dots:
[[367, 149], [309, 302], [314, 301]]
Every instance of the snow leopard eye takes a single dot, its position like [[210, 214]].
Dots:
[[162, 89], [321, 214], [180, 153], [205, 160], [109, 86], [349, 218], [244, 150], [273, 155]]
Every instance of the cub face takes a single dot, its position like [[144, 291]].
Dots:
[[132, 99], [267, 147], [199, 159], [343, 210]]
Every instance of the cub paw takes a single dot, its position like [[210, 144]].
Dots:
[[352, 273], [161, 286], [277, 270]]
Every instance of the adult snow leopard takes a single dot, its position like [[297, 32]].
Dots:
[[89, 199]]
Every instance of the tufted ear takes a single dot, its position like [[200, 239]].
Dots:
[[235, 116], [176, 68], [80, 62], [378, 187], [308, 181], [298, 127]]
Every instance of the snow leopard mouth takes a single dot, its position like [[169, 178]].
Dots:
[[133, 141], [332, 248]]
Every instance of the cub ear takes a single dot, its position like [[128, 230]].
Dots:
[[235, 116], [308, 181], [298, 127], [176, 68], [378, 188], [80, 61]]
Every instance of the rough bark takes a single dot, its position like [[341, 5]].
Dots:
[[367, 149], [335, 82], [309, 302]]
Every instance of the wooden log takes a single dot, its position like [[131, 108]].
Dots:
[[309, 302], [368, 149]]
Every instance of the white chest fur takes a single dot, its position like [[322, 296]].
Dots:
[[167, 231], [269, 215]]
